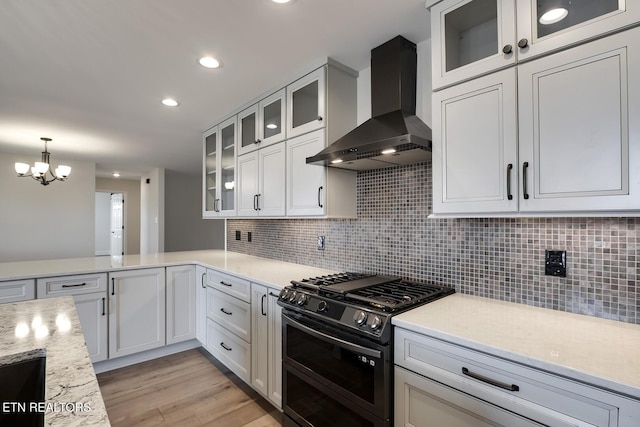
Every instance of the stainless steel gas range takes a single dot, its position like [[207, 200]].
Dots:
[[338, 349]]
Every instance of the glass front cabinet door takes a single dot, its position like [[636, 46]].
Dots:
[[471, 38], [306, 103], [262, 124], [219, 170]]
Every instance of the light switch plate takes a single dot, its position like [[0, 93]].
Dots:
[[321, 243]]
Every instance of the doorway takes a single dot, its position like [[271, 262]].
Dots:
[[110, 227]]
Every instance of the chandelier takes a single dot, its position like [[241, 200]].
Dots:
[[40, 169]]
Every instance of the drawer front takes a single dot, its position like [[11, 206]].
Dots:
[[233, 352], [71, 285], [230, 285], [17, 290], [540, 396], [230, 312]]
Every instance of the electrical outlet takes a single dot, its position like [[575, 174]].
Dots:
[[555, 263], [320, 243], [238, 235], [248, 236]]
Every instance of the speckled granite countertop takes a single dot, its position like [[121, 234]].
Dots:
[[72, 393], [596, 351], [259, 270]]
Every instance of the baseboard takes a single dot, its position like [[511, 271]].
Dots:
[[132, 359]]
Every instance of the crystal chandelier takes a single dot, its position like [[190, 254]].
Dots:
[[40, 169]]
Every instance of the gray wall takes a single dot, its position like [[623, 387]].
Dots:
[[46, 222], [152, 212], [131, 190], [184, 227]]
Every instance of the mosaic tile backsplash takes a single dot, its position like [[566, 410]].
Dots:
[[500, 258]]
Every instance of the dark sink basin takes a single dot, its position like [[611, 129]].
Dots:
[[22, 378]]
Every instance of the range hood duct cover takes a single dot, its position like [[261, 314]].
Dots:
[[394, 124]]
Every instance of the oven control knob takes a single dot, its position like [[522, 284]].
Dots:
[[376, 323], [292, 296], [322, 306], [302, 299], [360, 318]]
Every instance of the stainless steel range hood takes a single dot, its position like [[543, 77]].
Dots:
[[394, 135]]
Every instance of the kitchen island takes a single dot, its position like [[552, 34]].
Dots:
[[72, 394]]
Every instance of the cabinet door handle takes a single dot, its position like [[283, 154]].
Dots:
[[202, 280], [255, 202], [274, 295], [113, 286], [319, 201], [77, 285], [225, 284], [225, 347], [507, 49], [523, 43], [525, 166], [257, 141], [262, 311], [228, 313], [510, 387], [319, 118], [103, 305], [258, 197], [509, 195]]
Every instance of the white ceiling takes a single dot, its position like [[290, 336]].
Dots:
[[90, 74]]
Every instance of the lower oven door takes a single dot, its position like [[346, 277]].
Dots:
[[331, 377]]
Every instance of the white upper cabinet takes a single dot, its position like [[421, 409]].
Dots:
[[471, 38], [475, 37], [219, 165], [579, 133], [262, 182], [573, 147], [262, 124], [306, 103], [474, 146]]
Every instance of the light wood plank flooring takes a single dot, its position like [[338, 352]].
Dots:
[[185, 389]]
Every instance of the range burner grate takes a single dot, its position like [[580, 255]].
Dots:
[[396, 295]]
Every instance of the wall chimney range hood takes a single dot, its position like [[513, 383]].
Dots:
[[394, 135]]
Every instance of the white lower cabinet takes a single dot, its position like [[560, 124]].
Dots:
[[136, 311], [89, 292], [266, 341], [17, 290], [201, 304], [229, 349], [181, 303], [443, 384]]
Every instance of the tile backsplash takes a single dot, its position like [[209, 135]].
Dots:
[[500, 258]]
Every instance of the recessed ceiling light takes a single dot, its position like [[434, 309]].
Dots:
[[282, 1], [272, 126], [169, 102], [116, 175], [209, 62], [554, 15]]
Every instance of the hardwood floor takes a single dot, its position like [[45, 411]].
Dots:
[[185, 389]]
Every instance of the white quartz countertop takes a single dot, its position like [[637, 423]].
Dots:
[[72, 394], [601, 352], [261, 270]]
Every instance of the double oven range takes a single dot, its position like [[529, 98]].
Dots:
[[337, 357]]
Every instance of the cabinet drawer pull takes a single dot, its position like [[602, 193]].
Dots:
[[319, 201], [523, 43], [226, 284], [509, 195], [507, 49], [103, 305], [225, 347], [228, 313], [202, 280], [525, 166], [77, 285], [510, 387], [113, 286]]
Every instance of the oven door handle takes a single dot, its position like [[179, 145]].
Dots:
[[344, 344]]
